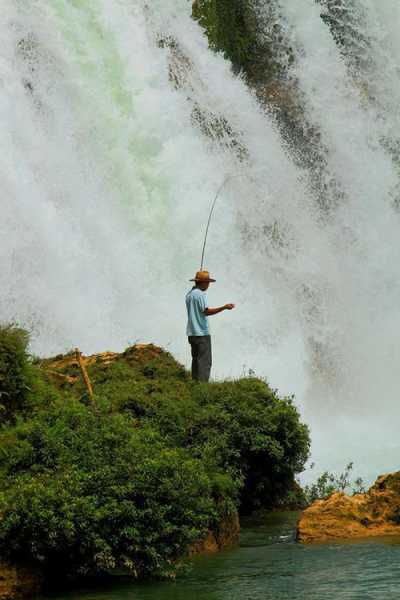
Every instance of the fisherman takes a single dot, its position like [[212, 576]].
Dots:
[[197, 327]]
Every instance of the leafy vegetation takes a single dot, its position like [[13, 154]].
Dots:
[[250, 37], [84, 493], [329, 483], [230, 27], [15, 372], [160, 462]]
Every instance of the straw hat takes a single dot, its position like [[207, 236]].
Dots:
[[202, 276]]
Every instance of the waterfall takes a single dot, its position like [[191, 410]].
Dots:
[[119, 126]]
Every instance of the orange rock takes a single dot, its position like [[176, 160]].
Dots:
[[65, 369], [208, 545], [225, 536], [375, 513], [62, 362]]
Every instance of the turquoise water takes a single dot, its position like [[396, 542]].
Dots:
[[269, 565]]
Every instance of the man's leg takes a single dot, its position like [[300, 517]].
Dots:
[[195, 367], [204, 358]]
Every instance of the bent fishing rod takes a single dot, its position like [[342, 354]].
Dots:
[[221, 187]]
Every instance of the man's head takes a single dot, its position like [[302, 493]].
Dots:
[[203, 280]]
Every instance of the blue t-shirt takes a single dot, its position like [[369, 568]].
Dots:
[[196, 304]]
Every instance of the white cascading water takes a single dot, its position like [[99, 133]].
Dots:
[[108, 177], [357, 289]]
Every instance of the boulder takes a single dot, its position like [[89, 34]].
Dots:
[[375, 513]]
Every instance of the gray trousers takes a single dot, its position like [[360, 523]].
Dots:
[[201, 357]]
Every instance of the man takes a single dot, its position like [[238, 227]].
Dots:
[[197, 326]]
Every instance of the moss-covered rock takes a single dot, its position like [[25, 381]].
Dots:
[[250, 34], [231, 28], [236, 29]]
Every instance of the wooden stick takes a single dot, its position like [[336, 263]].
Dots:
[[68, 378], [85, 374]]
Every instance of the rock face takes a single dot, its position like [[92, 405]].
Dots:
[[375, 513], [259, 46], [225, 536], [16, 582]]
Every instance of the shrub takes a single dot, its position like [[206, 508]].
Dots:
[[132, 484], [240, 429], [15, 371], [250, 429], [329, 483], [85, 493]]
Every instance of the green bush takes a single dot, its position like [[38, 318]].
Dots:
[[240, 430], [158, 463], [329, 483], [15, 371], [85, 493], [255, 433]]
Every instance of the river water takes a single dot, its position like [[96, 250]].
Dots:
[[270, 565]]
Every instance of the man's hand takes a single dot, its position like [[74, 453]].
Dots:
[[214, 311]]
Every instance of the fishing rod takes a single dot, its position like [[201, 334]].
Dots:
[[221, 187]]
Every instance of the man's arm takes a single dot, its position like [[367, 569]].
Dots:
[[214, 311]]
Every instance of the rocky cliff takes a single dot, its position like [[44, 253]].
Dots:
[[375, 513]]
